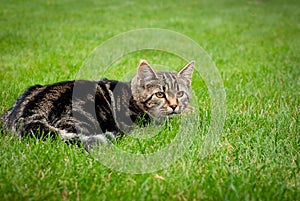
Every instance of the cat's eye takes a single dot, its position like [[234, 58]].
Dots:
[[179, 94], [160, 95]]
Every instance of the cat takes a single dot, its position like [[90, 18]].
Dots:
[[90, 112]]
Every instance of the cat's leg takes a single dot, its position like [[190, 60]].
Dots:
[[38, 129], [82, 134], [41, 128], [103, 139], [66, 129], [87, 141]]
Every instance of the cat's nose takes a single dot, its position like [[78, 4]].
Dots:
[[173, 107]]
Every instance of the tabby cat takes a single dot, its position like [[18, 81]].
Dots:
[[99, 111]]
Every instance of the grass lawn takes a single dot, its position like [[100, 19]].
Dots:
[[255, 46]]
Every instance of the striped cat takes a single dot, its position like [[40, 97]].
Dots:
[[92, 112]]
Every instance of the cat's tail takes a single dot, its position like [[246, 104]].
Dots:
[[3, 129], [2, 119]]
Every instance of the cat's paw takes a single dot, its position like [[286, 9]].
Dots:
[[189, 110]]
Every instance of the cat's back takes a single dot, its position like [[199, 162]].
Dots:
[[39, 100]]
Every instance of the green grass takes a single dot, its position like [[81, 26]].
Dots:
[[255, 46]]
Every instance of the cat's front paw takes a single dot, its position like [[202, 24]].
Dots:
[[190, 109]]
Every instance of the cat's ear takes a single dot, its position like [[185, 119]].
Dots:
[[187, 71], [145, 72]]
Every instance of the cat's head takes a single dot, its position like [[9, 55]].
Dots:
[[162, 94]]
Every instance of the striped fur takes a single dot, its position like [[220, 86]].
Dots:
[[91, 112]]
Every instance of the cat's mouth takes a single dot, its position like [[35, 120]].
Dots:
[[173, 113], [168, 113]]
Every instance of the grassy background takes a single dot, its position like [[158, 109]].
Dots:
[[255, 46]]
